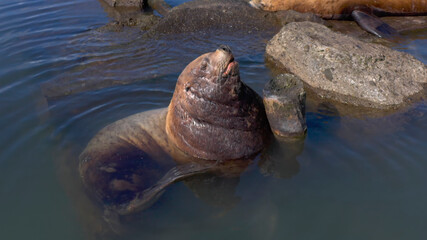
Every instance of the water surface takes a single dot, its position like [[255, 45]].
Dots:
[[352, 178]]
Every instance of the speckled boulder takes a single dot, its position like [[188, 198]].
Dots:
[[345, 69]]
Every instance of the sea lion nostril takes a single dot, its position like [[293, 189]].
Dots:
[[225, 48]]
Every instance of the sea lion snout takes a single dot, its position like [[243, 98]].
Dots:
[[217, 67], [225, 60]]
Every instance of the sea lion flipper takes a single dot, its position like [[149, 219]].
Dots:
[[145, 198], [373, 24], [160, 6]]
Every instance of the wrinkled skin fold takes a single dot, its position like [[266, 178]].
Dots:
[[213, 115]]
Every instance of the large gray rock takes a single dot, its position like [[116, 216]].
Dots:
[[345, 69]]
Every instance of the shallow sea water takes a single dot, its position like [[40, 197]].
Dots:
[[352, 177]]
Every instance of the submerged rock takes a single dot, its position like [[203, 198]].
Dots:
[[284, 102], [346, 69]]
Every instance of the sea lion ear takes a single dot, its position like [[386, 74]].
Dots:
[[204, 64]]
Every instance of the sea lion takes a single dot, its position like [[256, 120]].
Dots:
[[213, 118], [362, 11]]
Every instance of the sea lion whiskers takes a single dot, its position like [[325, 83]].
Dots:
[[220, 65]]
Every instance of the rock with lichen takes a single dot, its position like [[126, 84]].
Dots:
[[345, 69]]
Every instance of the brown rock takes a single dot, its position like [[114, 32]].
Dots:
[[284, 102]]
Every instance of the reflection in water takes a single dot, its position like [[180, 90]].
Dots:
[[323, 117], [218, 191], [279, 158]]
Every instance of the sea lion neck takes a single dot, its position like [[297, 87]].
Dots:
[[213, 115]]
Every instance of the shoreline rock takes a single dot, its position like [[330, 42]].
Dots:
[[345, 69]]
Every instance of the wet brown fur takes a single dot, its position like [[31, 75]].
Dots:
[[338, 9]]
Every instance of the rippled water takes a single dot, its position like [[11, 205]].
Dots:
[[352, 178]]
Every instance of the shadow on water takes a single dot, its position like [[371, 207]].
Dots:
[[279, 158]]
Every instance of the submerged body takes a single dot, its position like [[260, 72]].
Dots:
[[340, 9]]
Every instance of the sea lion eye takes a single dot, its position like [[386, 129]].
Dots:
[[187, 87]]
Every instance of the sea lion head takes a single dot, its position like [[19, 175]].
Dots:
[[213, 115], [210, 74]]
